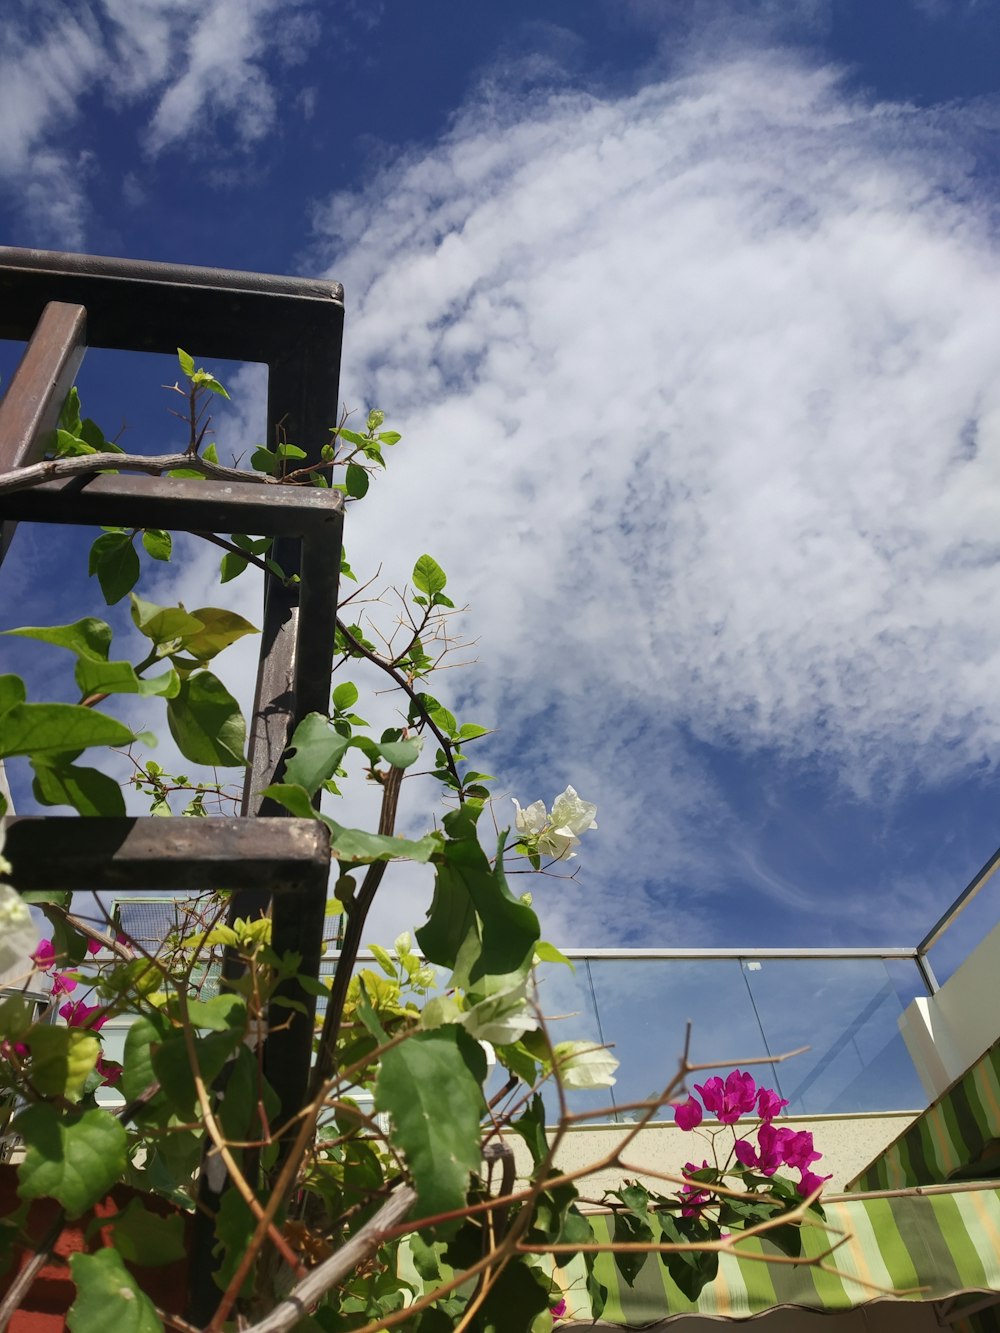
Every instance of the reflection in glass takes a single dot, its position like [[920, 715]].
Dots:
[[644, 1006], [846, 1011]]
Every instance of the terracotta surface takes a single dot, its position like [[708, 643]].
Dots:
[[44, 1307]]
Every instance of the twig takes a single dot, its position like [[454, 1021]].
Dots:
[[333, 1270], [55, 469]]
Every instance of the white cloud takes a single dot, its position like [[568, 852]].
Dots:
[[194, 72], [701, 415]]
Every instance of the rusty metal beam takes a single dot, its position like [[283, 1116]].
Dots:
[[151, 307], [146, 854], [29, 410], [178, 503]]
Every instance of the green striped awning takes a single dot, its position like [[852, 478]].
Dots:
[[957, 1137], [946, 1241]]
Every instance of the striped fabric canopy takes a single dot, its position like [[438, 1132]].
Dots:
[[957, 1137], [946, 1241]]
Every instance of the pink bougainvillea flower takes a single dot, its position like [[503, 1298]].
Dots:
[[109, 1070], [558, 1311], [63, 983], [44, 956], [11, 1048], [731, 1099], [697, 1197], [769, 1153], [78, 1015], [94, 946], [810, 1181], [769, 1104], [798, 1150], [688, 1115]]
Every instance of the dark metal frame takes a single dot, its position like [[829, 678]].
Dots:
[[64, 303]]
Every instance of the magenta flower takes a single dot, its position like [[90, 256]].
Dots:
[[769, 1104], [769, 1154], [94, 946], [697, 1197], [688, 1115], [810, 1181], [44, 956], [731, 1099], [798, 1149], [63, 983], [77, 1015], [110, 1070], [558, 1311]]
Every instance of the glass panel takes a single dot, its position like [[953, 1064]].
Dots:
[[644, 1005], [845, 1010], [566, 999], [966, 931]]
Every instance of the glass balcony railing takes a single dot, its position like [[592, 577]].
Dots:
[[844, 1006]]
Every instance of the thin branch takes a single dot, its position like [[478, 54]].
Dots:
[[333, 1270], [55, 469]]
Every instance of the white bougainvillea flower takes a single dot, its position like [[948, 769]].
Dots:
[[556, 834], [18, 932], [570, 817], [531, 821], [581, 1064]]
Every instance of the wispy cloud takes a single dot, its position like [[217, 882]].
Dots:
[[196, 74], [700, 408]]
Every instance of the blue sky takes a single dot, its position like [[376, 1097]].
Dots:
[[688, 315]]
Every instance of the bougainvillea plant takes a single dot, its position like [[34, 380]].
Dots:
[[391, 1199]]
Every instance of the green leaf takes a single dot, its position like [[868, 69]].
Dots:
[[428, 576], [113, 559], [157, 543], [164, 625], [108, 1297], [71, 1156], [349, 844], [690, 1269], [431, 1085], [401, 754], [345, 696], [173, 1069], [88, 638], [501, 949], [220, 629], [120, 678], [390, 437], [468, 731], [232, 566], [12, 692], [143, 1034], [61, 1059], [206, 722], [548, 953], [628, 1228], [69, 413], [87, 790], [40, 729], [316, 753], [518, 1296], [356, 481], [187, 362], [264, 460], [219, 1014], [146, 1238], [375, 419], [531, 1127]]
